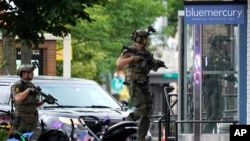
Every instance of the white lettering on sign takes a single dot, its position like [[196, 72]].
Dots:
[[34, 52], [212, 13]]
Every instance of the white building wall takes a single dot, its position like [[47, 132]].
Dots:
[[248, 64]]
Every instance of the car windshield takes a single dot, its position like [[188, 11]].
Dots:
[[80, 95], [4, 95]]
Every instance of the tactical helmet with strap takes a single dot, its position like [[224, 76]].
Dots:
[[211, 40], [137, 35], [25, 68]]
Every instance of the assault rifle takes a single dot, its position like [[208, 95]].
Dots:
[[48, 98], [145, 56]]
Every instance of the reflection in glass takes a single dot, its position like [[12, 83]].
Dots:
[[219, 72], [218, 78]]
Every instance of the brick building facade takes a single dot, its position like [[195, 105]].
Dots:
[[46, 55]]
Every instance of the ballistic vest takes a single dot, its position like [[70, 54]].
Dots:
[[218, 61], [28, 104], [137, 72]]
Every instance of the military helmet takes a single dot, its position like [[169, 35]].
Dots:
[[25, 68], [137, 35], [223, 38]]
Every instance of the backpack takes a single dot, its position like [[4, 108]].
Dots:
[[53, 135]]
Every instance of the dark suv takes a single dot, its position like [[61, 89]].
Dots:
[[76, 97]]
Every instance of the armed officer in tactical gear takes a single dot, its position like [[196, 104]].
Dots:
[[26, 101], [138, 61], [217, 60]]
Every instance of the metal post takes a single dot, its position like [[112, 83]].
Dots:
[[197, 85], [67, 57]]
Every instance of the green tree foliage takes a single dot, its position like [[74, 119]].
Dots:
[[3, 134], [172, 14], [97, 45], [29, 19]]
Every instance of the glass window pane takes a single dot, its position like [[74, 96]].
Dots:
[[79, 95], [219, 87]]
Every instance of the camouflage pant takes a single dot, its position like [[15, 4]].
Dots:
[[142, 100], [26, 123]]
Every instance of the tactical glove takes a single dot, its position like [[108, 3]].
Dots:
[[161, 63], [31, 89]]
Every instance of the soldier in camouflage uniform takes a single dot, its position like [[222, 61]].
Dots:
[[26, 101], [138, 64], [217, 60]]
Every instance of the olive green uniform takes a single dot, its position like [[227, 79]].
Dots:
[[26, 115], [137, 83]]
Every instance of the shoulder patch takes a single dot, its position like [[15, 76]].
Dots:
[[17, 89]]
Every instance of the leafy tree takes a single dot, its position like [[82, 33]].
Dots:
[[97, 45], [8, 67], [30, 19], [172, 14]]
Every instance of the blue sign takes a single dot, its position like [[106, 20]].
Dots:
[[117, 85], [214, 14]]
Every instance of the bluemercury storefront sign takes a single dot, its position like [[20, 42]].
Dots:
[[214, 14]]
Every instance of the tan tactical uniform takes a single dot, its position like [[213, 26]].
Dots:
[[137, 83], [26, 116]]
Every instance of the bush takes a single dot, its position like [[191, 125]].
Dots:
[[3, 134]]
